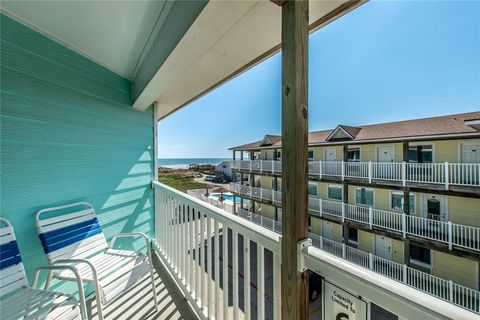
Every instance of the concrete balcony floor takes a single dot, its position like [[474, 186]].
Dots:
[[138, 302]]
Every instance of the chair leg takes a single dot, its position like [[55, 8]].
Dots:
[[49, 279], [99, 301], [152, 278]]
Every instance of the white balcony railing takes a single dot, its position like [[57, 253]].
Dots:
[[210, 252], [446, 232], [445, 289], [459, 174]]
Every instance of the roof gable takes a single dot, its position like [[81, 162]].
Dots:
[[343, 133], [267, 141]]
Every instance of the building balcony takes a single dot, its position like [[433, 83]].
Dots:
[[447, 234], [463, 177], [420, 280]]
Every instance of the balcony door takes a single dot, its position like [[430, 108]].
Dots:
[[383, 247], [330, 155], [327, 230], [434, 207], [471, 152], [385, 154]]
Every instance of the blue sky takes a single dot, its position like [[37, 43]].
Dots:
[[385, 61]]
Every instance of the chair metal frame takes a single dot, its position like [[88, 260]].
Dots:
[[96, 245], [16, 270]]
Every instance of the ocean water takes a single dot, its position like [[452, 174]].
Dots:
[[182, 163]]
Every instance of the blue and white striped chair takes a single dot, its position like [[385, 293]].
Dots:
[[71, 234], [19, 300]]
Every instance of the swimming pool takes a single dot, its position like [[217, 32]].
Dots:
[[226, 196]]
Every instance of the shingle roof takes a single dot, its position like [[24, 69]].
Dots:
[[408, 129]]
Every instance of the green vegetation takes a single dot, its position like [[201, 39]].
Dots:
[[180, 183]]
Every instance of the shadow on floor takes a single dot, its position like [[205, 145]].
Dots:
[[138, 302]]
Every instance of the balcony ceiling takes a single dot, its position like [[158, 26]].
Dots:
[[172, 51], [112, 33]]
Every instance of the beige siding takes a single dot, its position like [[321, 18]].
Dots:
[[382, 199], [267, 154], [459, 270], [322, 190], [366, 241], [398, 251], [337, 232], [267, 211], [319, 152], [316, 225], [367, 152], [266, 182], [464, 211]]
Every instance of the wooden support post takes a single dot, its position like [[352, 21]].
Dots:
[[234, 154], [405, 151], [275, 155], [345, 152], [406, 200], [406, 210], [344, 225], [234, 205], [406, 251], [294, 155]]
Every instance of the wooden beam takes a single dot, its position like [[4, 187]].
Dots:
[[279, 2], [294, 155]]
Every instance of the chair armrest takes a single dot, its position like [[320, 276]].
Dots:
[[132, 235], [92, 267], [81, 293]]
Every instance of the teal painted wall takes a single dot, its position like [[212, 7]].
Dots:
[[68, 133]]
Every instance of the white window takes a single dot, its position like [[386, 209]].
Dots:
[[364, 196], [353, 155], [420, 256], [335, 192], [312, 189], [420, 153], [397, 202], [310, 155]]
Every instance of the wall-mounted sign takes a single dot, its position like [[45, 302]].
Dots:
[[341, 305]]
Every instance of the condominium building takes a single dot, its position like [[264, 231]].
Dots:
[[405, 192]]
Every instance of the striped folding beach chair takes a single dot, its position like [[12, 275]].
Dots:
[[71, 234], [19, 300]]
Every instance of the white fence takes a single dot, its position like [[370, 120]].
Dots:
[[444, 289], [445, 173], [194, 238], [447, 232]]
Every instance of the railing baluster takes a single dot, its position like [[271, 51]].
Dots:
[[198, 270], [260, 282], [225, 270], [246, 273], [235, 273], [276, 287], [216, 259], [209, 267]]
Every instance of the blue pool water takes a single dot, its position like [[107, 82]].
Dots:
[[226, 196]]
